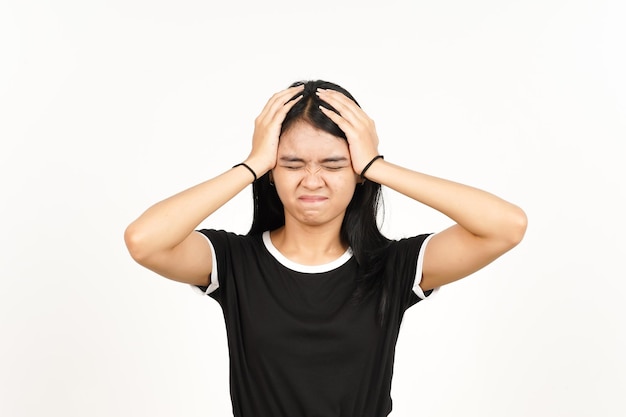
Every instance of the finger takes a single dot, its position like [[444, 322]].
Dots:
[[282, 111], [279, 99], [343, 124], [348, 109]]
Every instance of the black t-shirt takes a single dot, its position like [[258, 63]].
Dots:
[[297, 346]]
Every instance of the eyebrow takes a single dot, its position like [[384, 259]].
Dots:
[[325, 160]]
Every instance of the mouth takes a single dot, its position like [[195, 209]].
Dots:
[[312, 198]]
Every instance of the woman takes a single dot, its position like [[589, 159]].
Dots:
[[314, 295]]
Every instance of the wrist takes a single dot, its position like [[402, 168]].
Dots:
[[369, 164], [246, 166], [259, 166]]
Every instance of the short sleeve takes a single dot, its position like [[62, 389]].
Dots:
[[404, 272], [215, 284], [418, 272], [224, 246]]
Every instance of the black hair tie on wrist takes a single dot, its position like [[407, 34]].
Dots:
[[369, 164], [249, 169]]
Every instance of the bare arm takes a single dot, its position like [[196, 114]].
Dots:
[[486, 226], [163, 239]]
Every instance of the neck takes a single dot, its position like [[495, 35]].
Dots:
[[309, 245]]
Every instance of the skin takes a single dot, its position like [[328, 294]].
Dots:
[[486, 226], [315, 182], [315, 193]]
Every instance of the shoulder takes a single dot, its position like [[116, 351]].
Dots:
[[216, 236], [406, 253], [408, 245], [225, 242]]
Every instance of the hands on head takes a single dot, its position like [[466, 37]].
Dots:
[[485, 225], [267, 127], [359, 129]]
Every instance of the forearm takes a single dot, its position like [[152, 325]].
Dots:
[[168, 222], [479, 212]]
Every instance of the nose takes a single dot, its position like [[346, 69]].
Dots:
[[312, 170], [311, 178]]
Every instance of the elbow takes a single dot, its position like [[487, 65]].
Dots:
[[516, 229], [135, 244]]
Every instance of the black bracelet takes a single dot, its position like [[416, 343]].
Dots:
[[249, 169], [370, 164]]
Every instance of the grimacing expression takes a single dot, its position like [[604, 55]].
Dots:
[[313, 175]]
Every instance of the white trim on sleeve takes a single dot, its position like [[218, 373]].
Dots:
[[418, 272], [215, 284]]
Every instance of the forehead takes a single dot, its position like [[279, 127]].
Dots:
[[303, 140]]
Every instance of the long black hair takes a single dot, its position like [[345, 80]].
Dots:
[[359, 228]]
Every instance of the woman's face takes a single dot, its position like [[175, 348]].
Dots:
[[313, 175]]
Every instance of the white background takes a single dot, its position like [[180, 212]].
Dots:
[[107, 107]]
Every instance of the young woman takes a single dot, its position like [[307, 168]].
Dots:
[[314, 294]]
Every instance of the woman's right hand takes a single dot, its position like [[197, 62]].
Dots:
[[267, 127]]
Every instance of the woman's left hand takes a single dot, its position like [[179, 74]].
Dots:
[[356, 124]]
